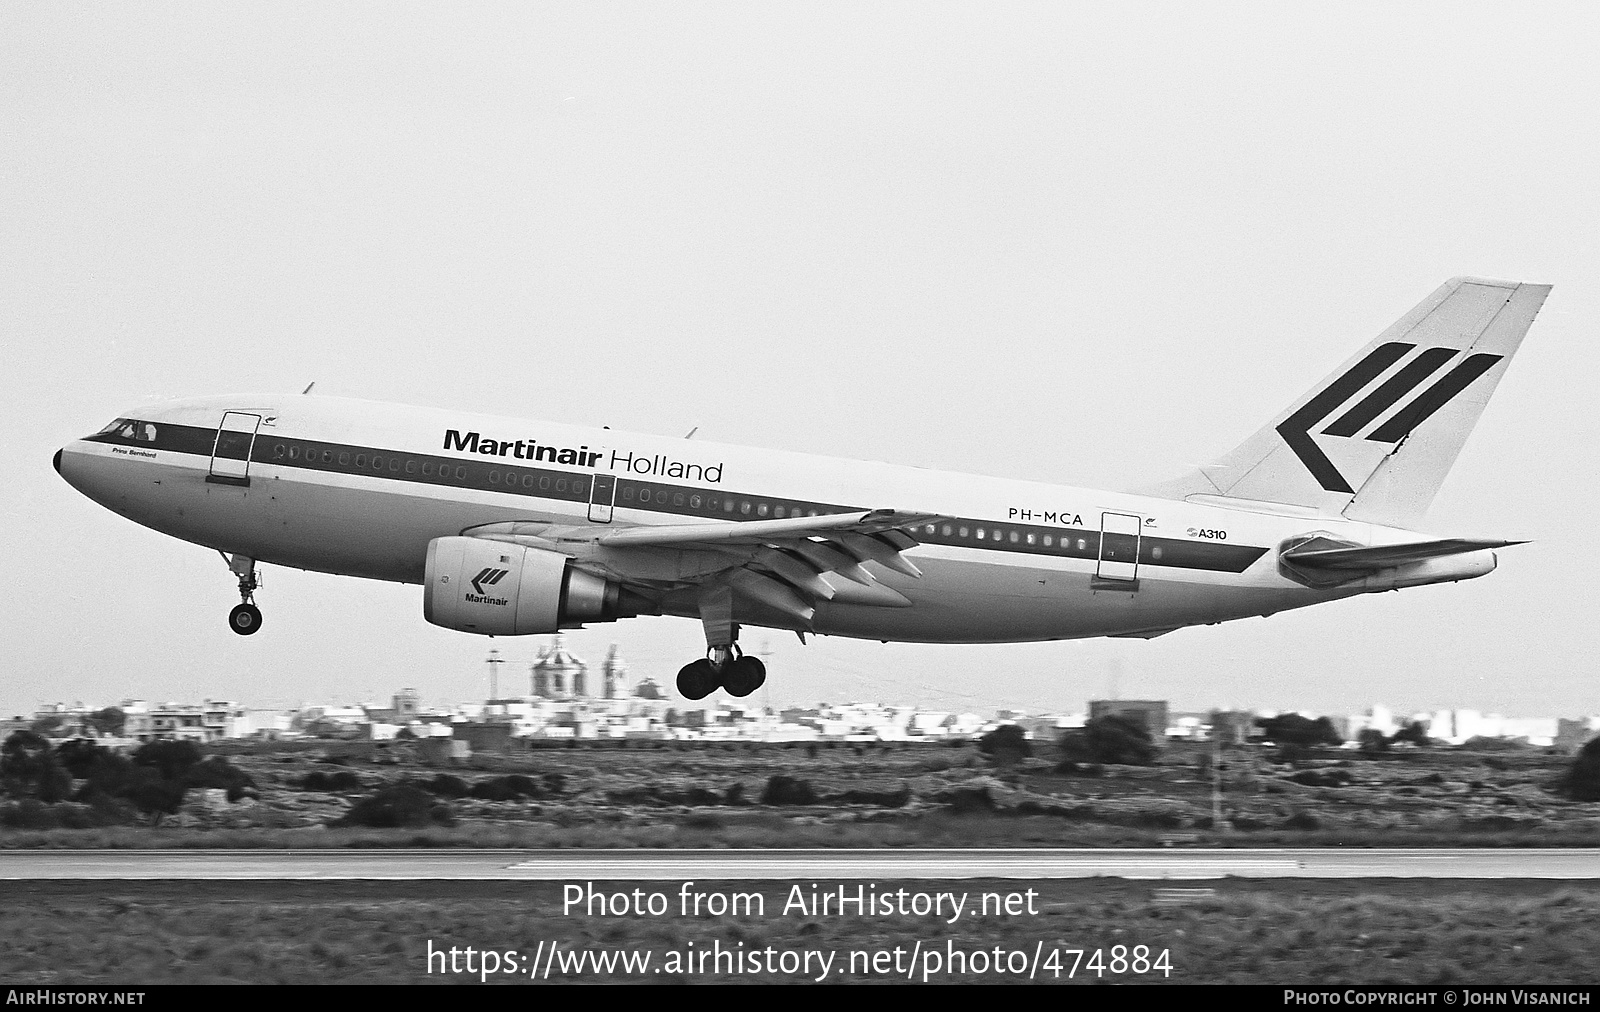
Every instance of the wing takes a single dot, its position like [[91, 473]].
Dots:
[[789, 565]]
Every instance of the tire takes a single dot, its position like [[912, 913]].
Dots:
[[744, 676], [245, 619], [697, 680]]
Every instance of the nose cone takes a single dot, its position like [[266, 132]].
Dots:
[[57, 461]]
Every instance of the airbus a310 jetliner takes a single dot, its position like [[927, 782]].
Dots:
[[516, 527]]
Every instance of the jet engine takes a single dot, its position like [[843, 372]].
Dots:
[[500, 589]]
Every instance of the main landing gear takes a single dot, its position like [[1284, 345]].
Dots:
[[245, 618], [725, 666]]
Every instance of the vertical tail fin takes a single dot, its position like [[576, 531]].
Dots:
[[1375, 439]]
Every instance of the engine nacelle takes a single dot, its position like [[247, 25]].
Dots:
[[500, 589]]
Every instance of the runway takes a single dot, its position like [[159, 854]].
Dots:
[[792, 865]]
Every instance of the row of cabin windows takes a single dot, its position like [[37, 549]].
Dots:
[[378, 462], [743, 507], [1068, 541], [543, 483]]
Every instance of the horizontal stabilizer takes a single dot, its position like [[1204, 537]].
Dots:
[[1316, 554]]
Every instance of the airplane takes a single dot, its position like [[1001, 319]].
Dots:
[[516, 527]]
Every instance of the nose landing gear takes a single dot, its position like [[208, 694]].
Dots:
[[245, 618]]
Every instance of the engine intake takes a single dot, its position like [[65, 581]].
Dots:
[[500, 589]]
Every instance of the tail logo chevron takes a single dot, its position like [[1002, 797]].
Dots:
[[1296, 429], [487, 578]]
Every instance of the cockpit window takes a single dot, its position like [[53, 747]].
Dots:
[[128, 428]]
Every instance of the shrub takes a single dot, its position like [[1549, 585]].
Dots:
[[29, 769], [343, 780], [1581, 782], [169, 758], [29, 814], [966, 799], [1109, 739], [404, 805], [217, 773], [506, 788], [1292, 729], [151, 792], [79, 756], [887, 799], [1007, 743], [783, 790], [447, 786], [1372, 741], [1416, 732]]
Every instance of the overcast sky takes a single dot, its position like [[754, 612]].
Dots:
[[1085, 243]]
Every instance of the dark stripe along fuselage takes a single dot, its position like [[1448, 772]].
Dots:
[[678, 500]]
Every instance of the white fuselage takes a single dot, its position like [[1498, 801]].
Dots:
[[360, 489]]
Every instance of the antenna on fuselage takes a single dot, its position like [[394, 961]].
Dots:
[[307, 390], [692, 432]]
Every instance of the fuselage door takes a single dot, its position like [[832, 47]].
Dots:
[[602, 492], [1119, 549], [230, 454]]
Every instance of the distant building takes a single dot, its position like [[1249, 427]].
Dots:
[[1039, 728], [210, 720], [1571, 735], [406, 707], [484, 737], [614, 675], [557, 674], [1151, 714], [1232, 727]]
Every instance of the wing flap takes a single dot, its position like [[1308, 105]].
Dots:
[[751, 532]]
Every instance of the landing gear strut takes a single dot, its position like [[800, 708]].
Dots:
[[725, 665], [245, 618]]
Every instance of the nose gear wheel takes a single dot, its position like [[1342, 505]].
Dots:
[[245, 618]]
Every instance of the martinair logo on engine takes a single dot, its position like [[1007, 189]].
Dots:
[[487, 578]]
